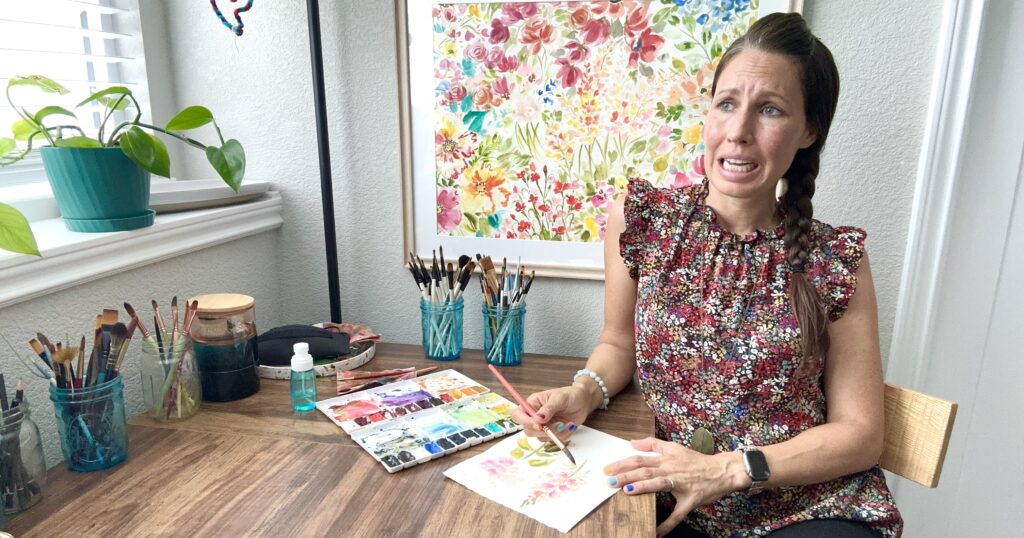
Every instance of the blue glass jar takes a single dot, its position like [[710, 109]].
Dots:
[[503, 334], [441, 324], [91, 424]]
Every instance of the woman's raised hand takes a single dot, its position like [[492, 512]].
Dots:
[[562, 409]]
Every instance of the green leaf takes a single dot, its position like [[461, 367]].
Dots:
[[539, 463], [77, 142], [50, 111], [15, 233], [703, 442], [23, 129], [37, 81], [229, 161], [474, 120], [524, 443], [192, 117], [7, 145], [517, 453], [113, 90], [116, 104], [147, 151], [550, 447], [638, 147]]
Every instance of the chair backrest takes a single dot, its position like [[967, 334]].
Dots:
[[917, 429]]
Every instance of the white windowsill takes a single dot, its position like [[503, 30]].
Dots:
[[71, 258]]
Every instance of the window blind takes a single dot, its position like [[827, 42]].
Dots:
[[73, 42]]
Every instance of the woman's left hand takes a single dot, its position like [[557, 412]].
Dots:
[[694, 479]]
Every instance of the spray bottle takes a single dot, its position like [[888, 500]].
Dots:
[[303, 378]]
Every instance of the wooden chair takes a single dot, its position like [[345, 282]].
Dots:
[[917, 429]]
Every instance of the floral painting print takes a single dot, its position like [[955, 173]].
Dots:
[[543, 110]]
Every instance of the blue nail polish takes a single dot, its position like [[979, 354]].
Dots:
[[572, 427], [630, 488], [612, 481], [559, 427]]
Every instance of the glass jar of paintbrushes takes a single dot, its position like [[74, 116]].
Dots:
[[441, 304], [22, 465], [88, 400], [171, 387], [504, 311], [91, 424], [170, 379]]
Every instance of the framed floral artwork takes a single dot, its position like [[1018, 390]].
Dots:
[[521, 121]]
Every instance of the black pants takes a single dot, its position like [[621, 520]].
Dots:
[[832, 528]]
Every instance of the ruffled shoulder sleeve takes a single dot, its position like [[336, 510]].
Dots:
[[653, 216], [834, 264]]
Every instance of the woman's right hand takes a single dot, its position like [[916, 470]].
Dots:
[[562, 409]]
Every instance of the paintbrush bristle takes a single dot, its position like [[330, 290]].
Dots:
[[486, 264], [36, 346], [110, 316]]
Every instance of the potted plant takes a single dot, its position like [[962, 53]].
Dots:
[[101, 183]]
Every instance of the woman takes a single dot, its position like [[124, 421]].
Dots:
[[751, 326]]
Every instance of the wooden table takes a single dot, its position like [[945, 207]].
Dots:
[[254, 467]]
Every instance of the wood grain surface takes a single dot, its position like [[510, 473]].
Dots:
[[255, 468]]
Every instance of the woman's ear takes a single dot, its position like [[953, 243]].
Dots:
[[809, 138]]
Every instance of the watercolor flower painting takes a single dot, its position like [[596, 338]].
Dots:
[[543, 110]]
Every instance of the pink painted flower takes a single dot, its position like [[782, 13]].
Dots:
[[518, 11], [456, 93], [698, 165], [615, 9], [568, 73], [577, 51], [506, 64], [502, 88], [536, 33], [636, 22], [449, 14], [645, 47], [499, 32], [448, 214], [596, 32], [494, 57], [476, 51]]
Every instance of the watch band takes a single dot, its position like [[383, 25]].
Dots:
[[757, 468]]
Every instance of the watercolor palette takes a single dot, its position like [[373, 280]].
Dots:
[[411, 422]]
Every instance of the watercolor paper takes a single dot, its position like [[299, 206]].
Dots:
[[534, 478]]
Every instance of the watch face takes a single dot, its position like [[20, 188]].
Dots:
[[757, 465]]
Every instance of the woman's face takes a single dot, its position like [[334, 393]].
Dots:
[[755, 125]]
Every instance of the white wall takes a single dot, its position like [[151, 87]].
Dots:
[[260, 86], [72, 313]]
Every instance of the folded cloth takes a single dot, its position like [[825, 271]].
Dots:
[[357, 332]]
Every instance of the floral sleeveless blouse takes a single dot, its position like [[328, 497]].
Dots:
[[717, 346]]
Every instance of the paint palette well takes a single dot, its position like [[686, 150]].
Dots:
[[406, 423]]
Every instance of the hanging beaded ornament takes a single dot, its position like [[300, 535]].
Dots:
[[236, 28]]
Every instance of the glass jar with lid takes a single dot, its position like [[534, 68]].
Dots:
[[224, 341]]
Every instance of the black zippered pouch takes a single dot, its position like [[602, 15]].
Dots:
[[275, 345]]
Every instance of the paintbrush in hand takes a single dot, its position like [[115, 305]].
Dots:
[[533, 414]]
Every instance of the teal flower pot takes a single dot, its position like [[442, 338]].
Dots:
[[98, 189]]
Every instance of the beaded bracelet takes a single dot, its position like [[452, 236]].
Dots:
[[600, 383]]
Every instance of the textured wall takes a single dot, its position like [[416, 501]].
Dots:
[[71, 313], [260, 86]]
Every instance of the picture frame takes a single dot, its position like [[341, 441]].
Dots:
[[480, 194]]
